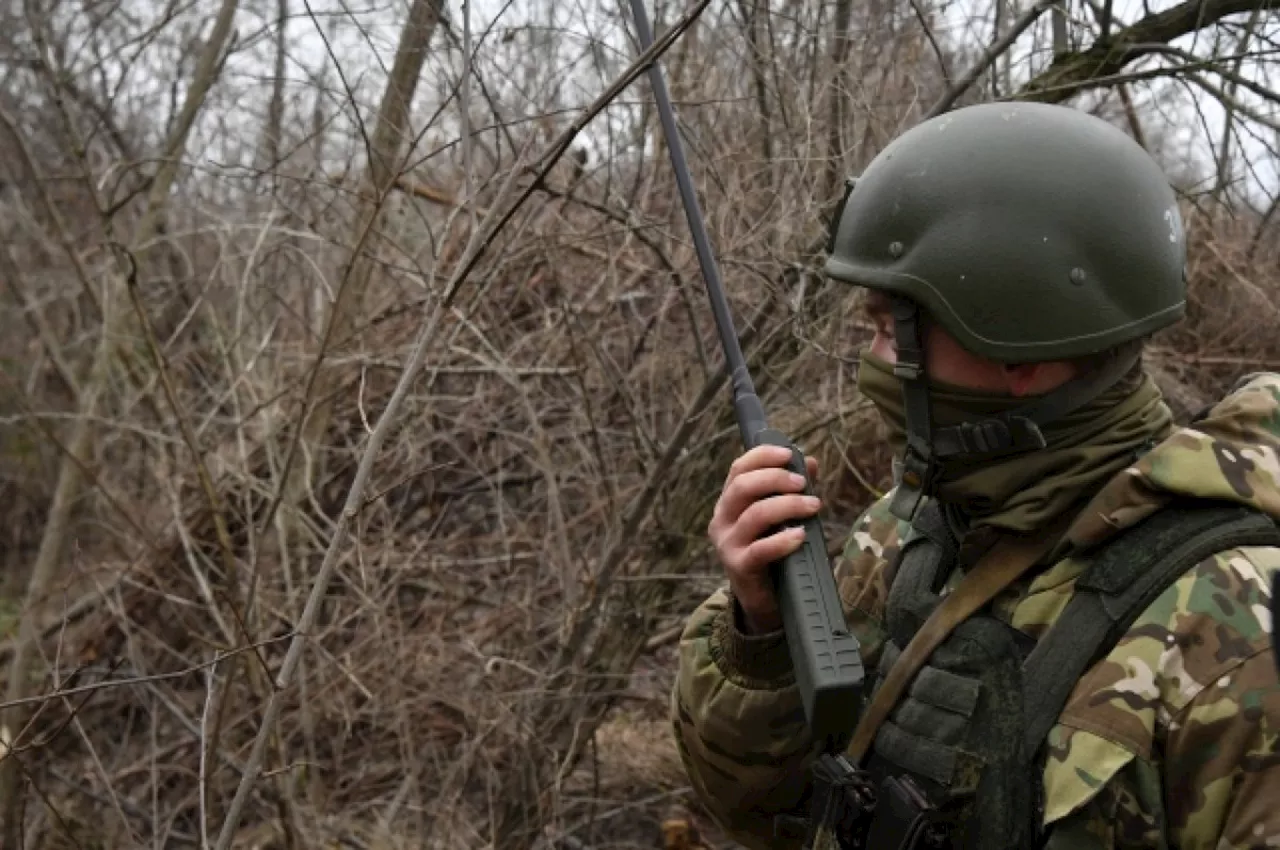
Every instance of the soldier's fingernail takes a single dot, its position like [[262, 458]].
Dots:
[[812, 502], [797, 480]]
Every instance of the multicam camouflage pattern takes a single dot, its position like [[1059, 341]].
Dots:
[[1173, 740]]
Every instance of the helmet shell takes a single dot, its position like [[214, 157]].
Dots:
[[1029, 231]]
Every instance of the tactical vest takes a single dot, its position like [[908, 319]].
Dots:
[[958, 763]]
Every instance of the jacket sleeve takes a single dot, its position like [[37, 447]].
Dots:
[[738, 720]]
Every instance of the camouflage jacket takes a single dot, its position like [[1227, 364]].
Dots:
[[1171, 741]]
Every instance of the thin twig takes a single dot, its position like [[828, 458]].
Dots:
[[143, 680], [230, 573]]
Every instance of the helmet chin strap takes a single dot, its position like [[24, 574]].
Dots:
[[1007, 434], [916, 469]]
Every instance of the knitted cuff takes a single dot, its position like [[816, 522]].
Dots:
[[757, 662]]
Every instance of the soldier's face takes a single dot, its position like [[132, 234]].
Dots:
[[947, 362]]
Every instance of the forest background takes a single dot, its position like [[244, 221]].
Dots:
[[361, 411]]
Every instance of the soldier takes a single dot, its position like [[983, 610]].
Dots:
[[1116, 684]]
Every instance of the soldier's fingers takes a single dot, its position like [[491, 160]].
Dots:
[[758, 458], [747, 568], [811, 465], [753, 486], [766, 550], [762, 516]]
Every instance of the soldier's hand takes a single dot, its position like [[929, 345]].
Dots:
[[759, 494]]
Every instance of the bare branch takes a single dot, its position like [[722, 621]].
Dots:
[[994, 52], [1070, 73]]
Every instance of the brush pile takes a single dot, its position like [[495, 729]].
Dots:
[[490, 665]]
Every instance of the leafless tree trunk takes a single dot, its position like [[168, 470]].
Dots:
[[71, 471], [390, 136], [1060, 45], [275, 111], [1225, 169]]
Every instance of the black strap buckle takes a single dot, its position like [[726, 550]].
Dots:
[[843, 803], [907, 370], [988, 436], [863, 814], [913, 477], [907, 820]]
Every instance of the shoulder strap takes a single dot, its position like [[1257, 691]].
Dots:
[[1127, 575], [1009, 558]]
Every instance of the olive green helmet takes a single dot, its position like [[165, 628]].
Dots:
[[1029, 232]]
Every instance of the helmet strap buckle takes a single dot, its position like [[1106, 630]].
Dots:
[[912, 473], [907, 371], [997, 436]]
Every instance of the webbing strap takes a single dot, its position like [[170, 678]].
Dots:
[[1002, 564], [917, 464], [1124, 580]]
